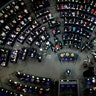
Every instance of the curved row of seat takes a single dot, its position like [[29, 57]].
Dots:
[[91, 2], [81, 5], [5, 92], [75, 29], [82, 23], [35, 84], [37, 5], [28, 89], [42, 81], [78, 14]]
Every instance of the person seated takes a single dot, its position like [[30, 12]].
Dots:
[[56, 31]]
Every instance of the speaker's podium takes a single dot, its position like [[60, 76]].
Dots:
[[68, 88]]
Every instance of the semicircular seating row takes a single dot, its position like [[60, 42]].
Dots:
[[5, 92], [40, 86], [28, 84]]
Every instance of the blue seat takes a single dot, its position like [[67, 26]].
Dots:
[[74, 28], [62, 85], [1, 93]]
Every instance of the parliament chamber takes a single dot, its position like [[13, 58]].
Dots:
[[47, 47]]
